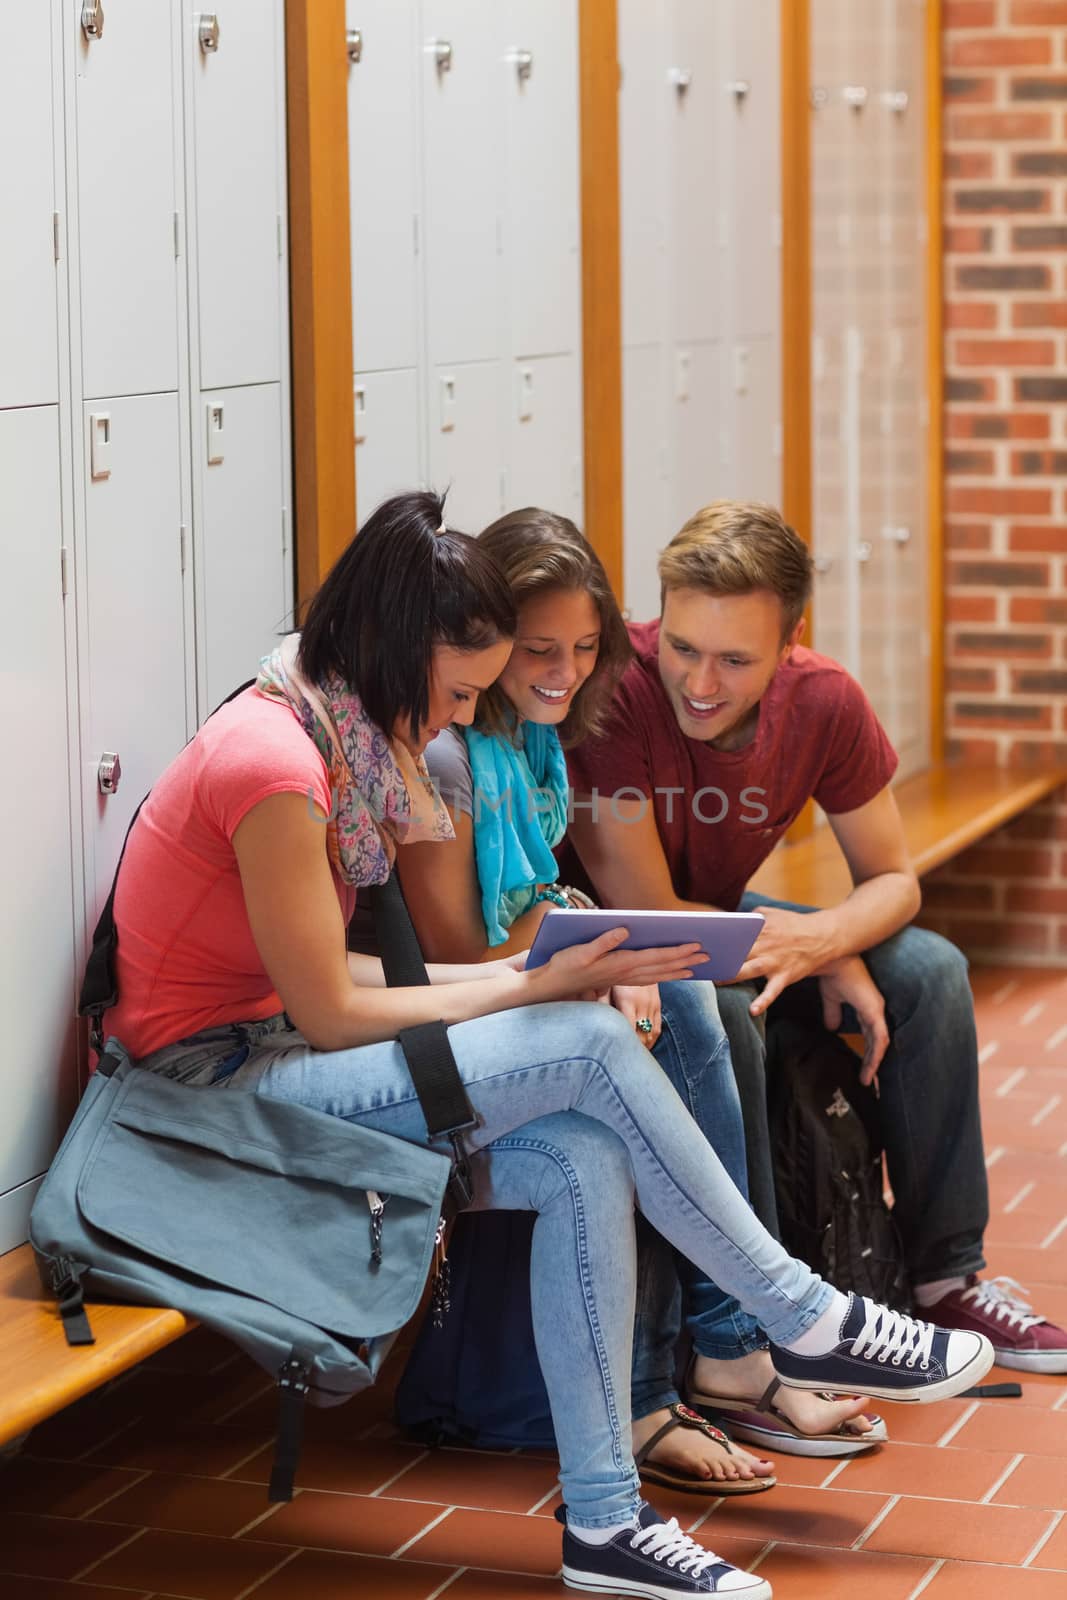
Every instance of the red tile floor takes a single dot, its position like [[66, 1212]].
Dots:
[[156, 1487]]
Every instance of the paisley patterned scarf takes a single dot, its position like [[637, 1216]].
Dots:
[[380, 794]]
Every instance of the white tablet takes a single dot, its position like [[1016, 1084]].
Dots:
[[726, 937]]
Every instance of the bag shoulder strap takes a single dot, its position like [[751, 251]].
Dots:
[[99, 990], [426, 1047]]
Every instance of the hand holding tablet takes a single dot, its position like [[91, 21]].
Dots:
[[725, 937]]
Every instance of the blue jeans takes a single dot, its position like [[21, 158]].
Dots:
[[928, 1082], [695, 1055], [625, 1132]]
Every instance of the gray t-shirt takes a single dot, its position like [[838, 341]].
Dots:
[[449, 764]]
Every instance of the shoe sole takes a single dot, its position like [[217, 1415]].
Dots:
[[1054, 1361], [943, 1389], [784, 1444], [591, 1584]]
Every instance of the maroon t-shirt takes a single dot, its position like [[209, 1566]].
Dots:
[[817, 735]]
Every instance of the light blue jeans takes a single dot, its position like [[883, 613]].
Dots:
[[624, 1133], [694, 1053]]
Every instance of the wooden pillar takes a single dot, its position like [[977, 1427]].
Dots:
[[601, 282], [320, 287], [796, 266], [935, 533]]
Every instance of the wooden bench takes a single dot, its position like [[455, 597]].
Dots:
[[943, 810], [39, 1372]]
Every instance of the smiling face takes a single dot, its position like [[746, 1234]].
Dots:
[[457, 678], [556, 650], [717, 655]]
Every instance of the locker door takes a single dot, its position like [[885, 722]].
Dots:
[[541, 181], [383, 183], [545, 449], [754, 426], [693, 92], [750, 100], [696, 408], [832, 597], [466, 448], [134, 608], [642, 166], [28, 350], [37, 1065], [122, 155], [906, 557], [388, 455], [647, 520], [233, 154], [463, 169], [240, 543]]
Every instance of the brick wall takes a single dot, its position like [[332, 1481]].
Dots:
[[1005, 237]]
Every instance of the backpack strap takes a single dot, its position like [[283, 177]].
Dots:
[[426, 1047], [99, 990], [292, 1388]]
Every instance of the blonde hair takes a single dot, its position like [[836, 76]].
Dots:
[[734, 547]]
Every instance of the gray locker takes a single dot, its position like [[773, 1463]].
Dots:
[[646, 479], [126, 133], [240, 547], [539, 69], [38, 1070], [383, 181], [750, 97], [236, 189], [135, 685], [465, 442], [388, 437], [643, 214], [545, 444], [29, 373], [697, 426], [753, 427], [463, 174], [694, 95]]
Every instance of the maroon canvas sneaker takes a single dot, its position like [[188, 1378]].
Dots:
[[994, 1306]]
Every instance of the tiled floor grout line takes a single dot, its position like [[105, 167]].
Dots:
[[1054, 1040], [761, 1555], [951, 1432], [290, 1555], [1050, 1105], [1005, 992], [227, 1476], [447, 1584], [1057, 1518], [114, 1495], [388, 1484], [1017, 1199], [1010, 1083], [994, 1156], [987, 1498], [1031, 1013], [415, 1537], [927, 1579], [1059, 1404], [545, 1498], [988, 1051], [876, 1522], [704, 1515], [1054, 1235], [834, 1472], [135, 1534], [263, 1515]]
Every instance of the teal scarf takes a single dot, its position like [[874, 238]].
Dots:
[[520, 812]]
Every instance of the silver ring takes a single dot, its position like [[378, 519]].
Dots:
[[644, 1025]]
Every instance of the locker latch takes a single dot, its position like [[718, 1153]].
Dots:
[[93, 19], [680, 78], [448, 404], [208, 32], [360, 408], [100, 444], [215, 450], [525, 395], [109, 772], [354, 45], [441, 50], [522, 61]]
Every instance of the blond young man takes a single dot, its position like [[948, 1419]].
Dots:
[[724, 726]]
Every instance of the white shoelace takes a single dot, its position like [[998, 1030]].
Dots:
[[1003, 1297], [667, 1542], [891, 1336]]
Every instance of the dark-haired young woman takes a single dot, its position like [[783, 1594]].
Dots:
[[233, 972]]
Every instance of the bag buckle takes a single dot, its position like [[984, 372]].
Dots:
[[460, 1179], [293, 1375]]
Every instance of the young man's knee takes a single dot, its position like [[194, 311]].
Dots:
[[924, 969]]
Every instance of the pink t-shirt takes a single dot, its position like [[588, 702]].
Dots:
[[719, 813], [186, 956]]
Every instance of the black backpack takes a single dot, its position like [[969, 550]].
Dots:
[[826, 1145]]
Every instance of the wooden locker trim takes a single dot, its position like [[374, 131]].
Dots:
[[320, 288], [598, 57], [795, 69], [935, 384]]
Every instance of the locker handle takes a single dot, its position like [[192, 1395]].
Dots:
[[680, 78], [354, 45], [739, 88], [93, 19], [896, 99], [522, 61], [208, 32], [854, 95], [109, 772], [823, 564], [441, 50]]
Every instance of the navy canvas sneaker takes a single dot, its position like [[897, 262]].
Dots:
[[654, 1559], [889, 1356]]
